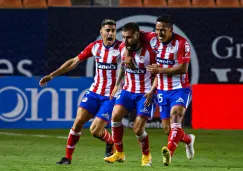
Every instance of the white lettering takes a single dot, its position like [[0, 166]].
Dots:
[[229, 49], [21, 68], [221, 74], [241, 71], [34, 101], [69, 103], [9, 69], [238, 50]]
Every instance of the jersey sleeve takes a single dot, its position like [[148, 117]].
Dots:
[[152, 55], [86, 53], [146, 37], [184, 52]]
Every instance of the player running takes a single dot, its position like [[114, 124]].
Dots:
[[138, 83], [96, 101], [174, 91]]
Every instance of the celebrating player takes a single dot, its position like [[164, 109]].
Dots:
[[174, 92], [138, 83], [96, 102]]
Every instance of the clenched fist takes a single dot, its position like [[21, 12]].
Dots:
[[43, 82]]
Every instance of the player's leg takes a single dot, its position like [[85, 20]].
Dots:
[[166, 120], [97, 127], [85, 112], [82, 117], [180, 101], [143, 114], [123, 105], [164, 108]]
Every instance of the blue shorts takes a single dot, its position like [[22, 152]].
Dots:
[[132, 101], [170, 98], [97, 105]]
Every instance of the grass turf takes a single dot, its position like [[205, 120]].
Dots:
[[215, 151]]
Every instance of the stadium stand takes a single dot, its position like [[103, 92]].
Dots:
[[34, 3], [11, 4], [179, 3], [130, 3], [227, 3], [203, 3], [155, 3], [59, 3]]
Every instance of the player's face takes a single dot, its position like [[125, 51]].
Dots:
[[108, 33], [163, 31], [130, 39]]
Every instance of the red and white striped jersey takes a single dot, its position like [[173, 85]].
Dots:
[[138, 80], [169, 55], [107, 59]]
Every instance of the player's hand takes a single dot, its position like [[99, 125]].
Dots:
[[153, 69], [43, 82], [114, 91], [129, 61], [149, 98]]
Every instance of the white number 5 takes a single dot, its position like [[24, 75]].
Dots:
[[160, 98]]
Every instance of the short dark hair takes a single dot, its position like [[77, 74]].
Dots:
[[108, 22], [131, 27], [165, 18]]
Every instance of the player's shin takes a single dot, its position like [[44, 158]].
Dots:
[[117, 134], [185, 138], [73, 138], [144, 143], [174, 137]]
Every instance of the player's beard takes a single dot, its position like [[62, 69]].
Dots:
[[131, 47]]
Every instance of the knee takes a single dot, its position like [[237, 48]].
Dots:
[[95, 131], [137, 130], [116, 117], [177, 113]]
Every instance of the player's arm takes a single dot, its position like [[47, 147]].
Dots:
[[121, 75], [183, 59], [68, 65], [180, 69], [146, 37], [119, 79], [150, 94]]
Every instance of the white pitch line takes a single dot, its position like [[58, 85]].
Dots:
[[33, 135]]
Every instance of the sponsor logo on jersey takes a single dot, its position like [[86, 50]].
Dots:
[[136, 71], [106, 66], [165, 61]]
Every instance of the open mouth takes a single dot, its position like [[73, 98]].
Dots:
[[109, 38]]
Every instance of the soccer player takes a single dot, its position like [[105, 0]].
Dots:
[[138, 82], [174, 91], [96, 102]]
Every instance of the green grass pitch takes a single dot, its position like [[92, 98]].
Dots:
[[215, 151]]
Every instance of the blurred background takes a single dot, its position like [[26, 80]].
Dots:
[[37, 36]]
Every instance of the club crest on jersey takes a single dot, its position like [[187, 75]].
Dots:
[[136, 71], [106, 66], [172, 49], [115, 52], [141, 59]]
